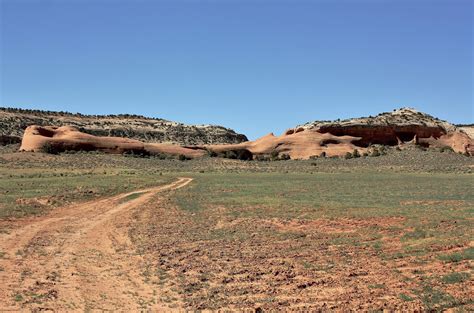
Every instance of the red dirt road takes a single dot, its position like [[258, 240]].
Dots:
[[78, 257]]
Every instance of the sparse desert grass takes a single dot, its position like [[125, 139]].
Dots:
[[466, 254], [332, 234], [453, 278], [308, 239], [33, 191], [395, 161]]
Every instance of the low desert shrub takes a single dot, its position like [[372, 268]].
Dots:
[[212, 154], [230, 154], [284, 156], [237, 154], [274, 155], [446, 149], [182, 157], [50, 148], [262, 157], [467, 254], [375, 153]]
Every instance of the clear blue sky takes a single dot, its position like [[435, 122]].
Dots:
[[255, 66]]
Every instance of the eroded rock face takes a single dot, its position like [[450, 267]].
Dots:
[[336, 138], [458, 141], [298, 145], [384, 135], [401, 127], [468, 130], [68, 138]]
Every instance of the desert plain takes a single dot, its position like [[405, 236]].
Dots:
[[93, 231]]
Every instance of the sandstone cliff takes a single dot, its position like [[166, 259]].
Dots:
[[67, 138], [336, 138], [399, 128], [468, 129]]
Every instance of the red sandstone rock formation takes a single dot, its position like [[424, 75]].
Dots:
[[404, 126], [336, 138], [67, 138], [298, 145]]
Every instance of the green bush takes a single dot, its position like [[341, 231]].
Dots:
[[50, 148], [348, 156], [356, 154], [285, 156], [230, 154], [211, 153], [262, 157], [274, 155], [446, 149], [375, 153], [237, 154], [137, 153], [244, 154], [161, 156]]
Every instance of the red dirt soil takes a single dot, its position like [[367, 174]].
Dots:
[[77, 257]]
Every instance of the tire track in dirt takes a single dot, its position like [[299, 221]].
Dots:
[[78, 257]]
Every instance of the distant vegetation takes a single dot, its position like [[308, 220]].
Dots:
[[13, 122], [65, 113]]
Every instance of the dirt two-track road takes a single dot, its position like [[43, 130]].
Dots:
[[78, 257]]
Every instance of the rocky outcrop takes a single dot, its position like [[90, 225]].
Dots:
[[297, 145], [67, 138], [336, 138], [401, 125], [467, 129], [399, 128], [13, 122]]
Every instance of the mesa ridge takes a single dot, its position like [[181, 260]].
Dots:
[[356, 136]]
